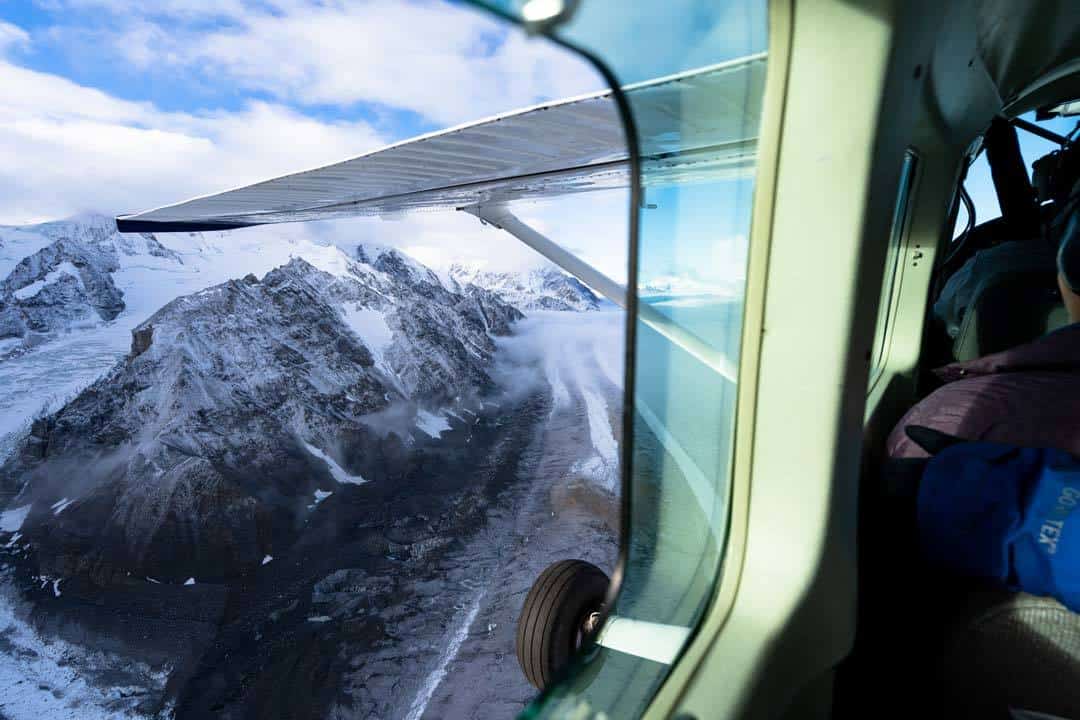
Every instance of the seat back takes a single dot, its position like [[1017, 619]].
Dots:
[[1009, 310], [1012, 651]]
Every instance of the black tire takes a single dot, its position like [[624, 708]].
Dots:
[[549, 628]]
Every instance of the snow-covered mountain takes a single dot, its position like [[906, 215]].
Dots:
[[684, 285], [151, 270], [240, 403], [545, 288], [68, 283], [71, 291]]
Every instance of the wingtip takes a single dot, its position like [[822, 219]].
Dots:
[[130, 224]]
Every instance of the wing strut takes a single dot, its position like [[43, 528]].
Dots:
[[500, 216]]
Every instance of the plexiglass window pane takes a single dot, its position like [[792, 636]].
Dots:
[[699, 154]]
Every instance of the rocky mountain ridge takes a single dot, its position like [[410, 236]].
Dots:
[[239, 404]]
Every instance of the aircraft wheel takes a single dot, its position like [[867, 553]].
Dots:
[[559, 615]]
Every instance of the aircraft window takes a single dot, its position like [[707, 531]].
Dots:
[[893, 270], [980, 183], [693, 240], [1033, 146]]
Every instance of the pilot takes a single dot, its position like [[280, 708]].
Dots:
[[1027, 395]]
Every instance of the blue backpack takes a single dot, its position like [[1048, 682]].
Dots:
[[1003, 513]]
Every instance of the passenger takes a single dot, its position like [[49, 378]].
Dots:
[[1027, 395]]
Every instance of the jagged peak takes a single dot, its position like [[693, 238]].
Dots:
[[296, 266], [388, 259], [370, 253]]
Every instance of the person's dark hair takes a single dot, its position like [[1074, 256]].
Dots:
[[1068, 257]]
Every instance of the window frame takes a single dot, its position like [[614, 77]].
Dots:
[[685, 671]]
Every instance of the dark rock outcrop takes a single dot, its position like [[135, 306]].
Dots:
[[141, 338]]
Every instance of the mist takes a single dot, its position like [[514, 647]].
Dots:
[[559, 349]]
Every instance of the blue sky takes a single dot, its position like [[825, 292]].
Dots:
[[151, 52], [310, 81], [387, 70], [170, 53]]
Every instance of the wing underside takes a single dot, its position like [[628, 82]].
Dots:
[[571, 146]]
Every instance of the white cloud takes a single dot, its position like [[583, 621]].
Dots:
[[70, 148], [176, 9], [446, 62], [11, 36]]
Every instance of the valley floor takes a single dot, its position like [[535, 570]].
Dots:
[[554, 513]]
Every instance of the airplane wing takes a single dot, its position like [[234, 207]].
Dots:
[[569, 146]]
